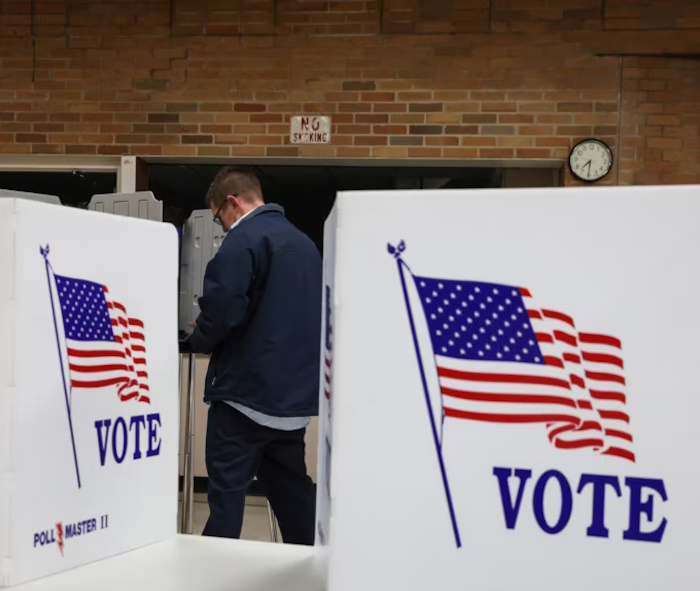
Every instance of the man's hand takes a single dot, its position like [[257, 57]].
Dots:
[[192, 324]]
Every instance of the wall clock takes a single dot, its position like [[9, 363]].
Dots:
[[590, 160]]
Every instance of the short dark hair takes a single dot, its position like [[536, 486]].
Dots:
[[234, 180]]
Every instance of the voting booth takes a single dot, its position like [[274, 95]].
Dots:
[[44, 198], [88, 387], [509, 391], [141, 204], [201, 239]]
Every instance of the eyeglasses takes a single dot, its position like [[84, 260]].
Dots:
[[217, 218]]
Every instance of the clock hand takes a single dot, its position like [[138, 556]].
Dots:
[[589, 165]]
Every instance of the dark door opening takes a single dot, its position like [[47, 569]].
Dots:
[[307, 193], [74, 188]]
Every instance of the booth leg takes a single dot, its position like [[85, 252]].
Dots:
[[274, 532], [188, 479]]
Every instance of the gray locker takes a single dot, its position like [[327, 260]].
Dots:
[[201, 239], [53, 199], [141, 204]]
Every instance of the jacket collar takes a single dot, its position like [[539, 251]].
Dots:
[[267, 208], [262, 209]]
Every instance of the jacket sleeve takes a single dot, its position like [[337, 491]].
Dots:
[[224, 300]]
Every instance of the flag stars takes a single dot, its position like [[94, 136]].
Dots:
[[494, 315]]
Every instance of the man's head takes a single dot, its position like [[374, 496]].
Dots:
[[234, 192]]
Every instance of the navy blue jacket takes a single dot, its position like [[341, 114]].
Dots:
[[260, 317]]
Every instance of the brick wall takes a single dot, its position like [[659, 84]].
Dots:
[[505, 79]]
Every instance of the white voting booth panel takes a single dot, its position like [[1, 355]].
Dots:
[[201, 239], [88, 387], [54, 199], [514, 393], [141, 204]]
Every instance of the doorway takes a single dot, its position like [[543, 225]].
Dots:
[[307, 192]]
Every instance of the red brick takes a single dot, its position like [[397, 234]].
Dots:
[[496, 153], [31, 138], [665, 143], [249, 107]]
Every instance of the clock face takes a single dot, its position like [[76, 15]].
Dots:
[[590, 160]]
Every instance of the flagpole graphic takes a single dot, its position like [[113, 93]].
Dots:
[[45, 254], [396, 252]]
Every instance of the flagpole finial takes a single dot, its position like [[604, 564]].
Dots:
[[396, 250], [44, 251]]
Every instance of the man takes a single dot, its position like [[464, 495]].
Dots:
[[260, 318]]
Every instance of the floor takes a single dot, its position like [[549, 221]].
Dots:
[[256, 524]]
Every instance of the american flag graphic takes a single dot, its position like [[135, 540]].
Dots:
[[106, 347], [328, 347], [328, 372], [502, 359]]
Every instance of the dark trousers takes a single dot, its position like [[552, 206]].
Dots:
[[238, 449]]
